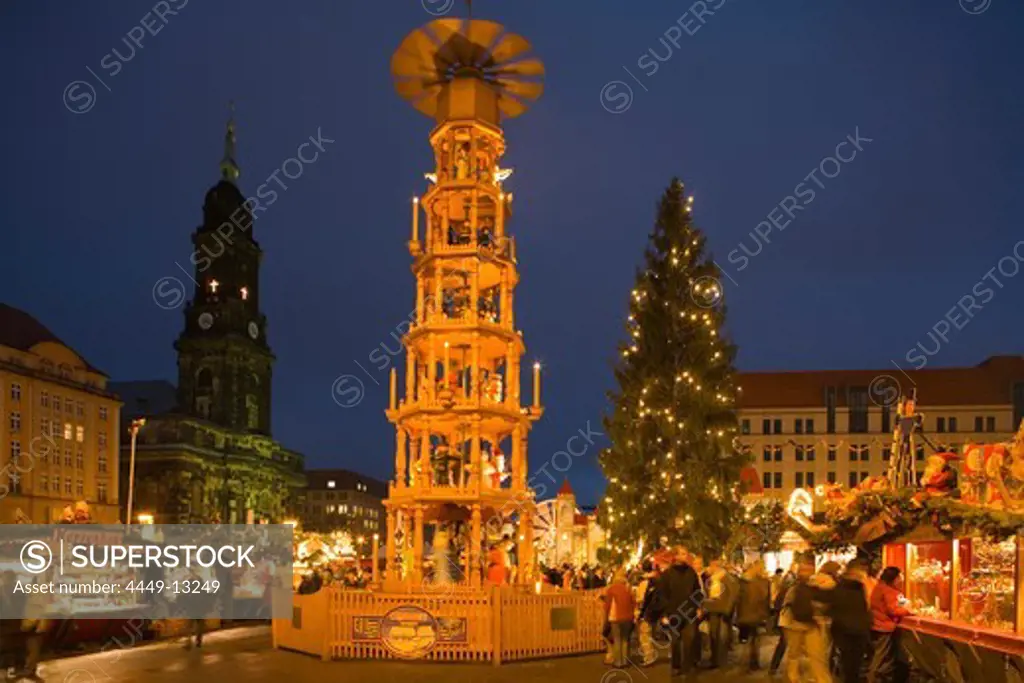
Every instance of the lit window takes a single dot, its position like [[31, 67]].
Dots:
[[330, 484], [68, 431], [213, 286], [80, 434], [244, 291]]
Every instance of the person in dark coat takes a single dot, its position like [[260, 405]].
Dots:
[[681, 595], [753, 607], [851, 620]]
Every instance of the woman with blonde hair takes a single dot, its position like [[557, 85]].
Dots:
[[619, 606]]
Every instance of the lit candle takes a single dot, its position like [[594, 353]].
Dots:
[[536, 385], [415, 219], [499, 228], [394, 388], [447, 361]]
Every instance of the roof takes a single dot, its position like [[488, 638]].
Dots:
[[145, 397], [344, 480], [566, 489], [21, 331], [988, 383]]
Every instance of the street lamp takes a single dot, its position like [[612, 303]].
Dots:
[[145, 518], [136, 425]]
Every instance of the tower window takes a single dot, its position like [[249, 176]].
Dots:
[[244, 291], [213, 285]]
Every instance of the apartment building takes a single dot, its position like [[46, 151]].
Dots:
[[816, 427]]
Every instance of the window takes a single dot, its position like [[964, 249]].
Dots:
[[55, 485], [865, 453], [853, 480], [809, 453], [79, 459], [67, 486], [44, 482], [330, 509], [952, 424], [103, 413], [15, 391], [809, 425], [15, 421], [830, 410], [67, 456], [79, 488], [854, 454], [798, 480], [799, 453], [44, 399], [767, 453], [858, 410], [80, 409], [101, 464], [831, 477], [778, 480], [766, 426], [863, 475], [778, 426], [979, 423], [831, 453], [330, 484], [745, 426], [810, 480], [886, 420], [798, 426], [778, 454], [68, 431], [69, 406], [101, 492], [56, 403], [940, 424], [79, 433], [44, 426], [990, 424], [766, 479], [886, 453], [101, 439]]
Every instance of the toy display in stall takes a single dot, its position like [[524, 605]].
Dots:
[[993, 474], [987, 583], [930, 590]]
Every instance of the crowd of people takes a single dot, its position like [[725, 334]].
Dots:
[[832, 622]]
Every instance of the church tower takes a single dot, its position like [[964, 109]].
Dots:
[[224, 361]]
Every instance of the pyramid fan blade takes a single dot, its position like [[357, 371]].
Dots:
[[523, 90], [452, 46], [509, 47], [483, 33], [427, 101], [410, 88], [510, 106], [415, 56], [531, 67]]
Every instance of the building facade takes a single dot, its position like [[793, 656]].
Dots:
[[565, 533], [59, 427], [810, 428], [212, 457], [342, 500]]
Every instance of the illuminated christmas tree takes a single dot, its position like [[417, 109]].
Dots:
[[671, 469]]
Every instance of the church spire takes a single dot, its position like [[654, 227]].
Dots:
[[229, 170]]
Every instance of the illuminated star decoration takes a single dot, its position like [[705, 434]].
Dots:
[[432, 177], [501, 174]]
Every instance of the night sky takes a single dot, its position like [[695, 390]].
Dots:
[[98, 206]]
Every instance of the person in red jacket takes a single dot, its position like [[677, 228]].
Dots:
[[886, 612], [619, 606]]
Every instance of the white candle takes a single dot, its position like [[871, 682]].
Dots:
[[415, 219], [447, 361], [536, 385], [499, 227]]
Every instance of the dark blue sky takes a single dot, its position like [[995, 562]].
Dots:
[[98, 206]]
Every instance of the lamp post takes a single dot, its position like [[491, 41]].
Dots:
[[136, 425]]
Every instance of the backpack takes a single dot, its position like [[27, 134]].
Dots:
[[802, 606]]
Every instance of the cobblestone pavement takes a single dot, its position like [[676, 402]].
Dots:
[[246, 656]]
